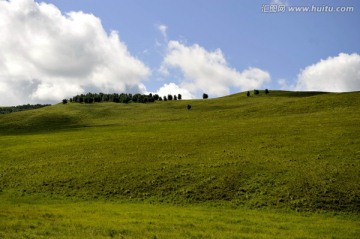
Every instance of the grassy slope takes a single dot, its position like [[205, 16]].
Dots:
[[32, 217], [287, 149]]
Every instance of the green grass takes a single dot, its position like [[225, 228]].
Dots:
[[296, 151], [34, 218]]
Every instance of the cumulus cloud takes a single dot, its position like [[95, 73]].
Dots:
[[206, 71], [334, 74], [174, 89], [46, 55]]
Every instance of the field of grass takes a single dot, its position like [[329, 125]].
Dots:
[[32, 217], [292, 151]]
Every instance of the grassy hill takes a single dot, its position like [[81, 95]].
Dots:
[[293, 150]]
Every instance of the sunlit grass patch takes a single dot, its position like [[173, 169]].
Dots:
[[54, 219], [163, 171]]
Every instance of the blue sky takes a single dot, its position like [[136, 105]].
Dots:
[[279, 43], [283, 50]]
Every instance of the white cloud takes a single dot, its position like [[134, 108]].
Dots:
[[205, 71], [335, 74], [174, 89], [163, 28], [283, 84], [46, 55], [279, 2]]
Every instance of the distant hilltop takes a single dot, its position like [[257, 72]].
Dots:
[[11, 109]]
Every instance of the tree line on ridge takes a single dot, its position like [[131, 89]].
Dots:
[[90, 98]]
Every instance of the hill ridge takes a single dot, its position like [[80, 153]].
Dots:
[[259, 151]]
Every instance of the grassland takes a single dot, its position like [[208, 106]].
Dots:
[[283, 152], [32, 217]]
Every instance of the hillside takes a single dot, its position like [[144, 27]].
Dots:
[[297, 150]]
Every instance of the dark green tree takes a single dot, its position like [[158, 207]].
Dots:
[[151, 98], [124, 98], [136, 98]]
